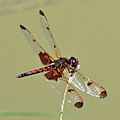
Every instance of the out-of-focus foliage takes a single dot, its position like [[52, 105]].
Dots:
[[12, 6]]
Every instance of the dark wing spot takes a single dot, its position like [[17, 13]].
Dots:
[[78, 104], [47, 28], [41, 12], [70, 90], [22, 27], [54, 46], [34, 40], [103, 94], [89, 83]]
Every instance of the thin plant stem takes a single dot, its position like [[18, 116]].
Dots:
[[63, 102]]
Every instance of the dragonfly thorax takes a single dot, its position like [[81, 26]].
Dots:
[[61, 63], [71, 64]]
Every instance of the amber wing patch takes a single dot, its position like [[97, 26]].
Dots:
[[45, 58]]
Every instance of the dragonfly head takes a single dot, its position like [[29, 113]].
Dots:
[[74, 64]]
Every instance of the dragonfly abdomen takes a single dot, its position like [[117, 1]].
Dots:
[[36, 71]]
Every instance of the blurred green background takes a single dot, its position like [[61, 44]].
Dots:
[[87, 29]]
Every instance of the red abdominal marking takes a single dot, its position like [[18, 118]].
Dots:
[[48, 68], [36, 71]]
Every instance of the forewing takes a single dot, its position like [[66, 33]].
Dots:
[[37, 48], [47, 31], [87, 85]]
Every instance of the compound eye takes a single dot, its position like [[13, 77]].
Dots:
[[74, 62]]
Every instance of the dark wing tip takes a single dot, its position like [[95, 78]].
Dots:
[[103, 94], [41, 13], [22, 27], [78, 104]]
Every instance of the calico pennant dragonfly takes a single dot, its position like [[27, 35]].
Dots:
[[61, 68]]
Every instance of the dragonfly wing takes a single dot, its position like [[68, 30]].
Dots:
[[47, 31], [87, 85], [72, 96], [37, 48]]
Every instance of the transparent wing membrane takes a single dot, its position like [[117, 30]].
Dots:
[[31, 40], [84, 84], [37, 48], [47, 31], [72, 96]]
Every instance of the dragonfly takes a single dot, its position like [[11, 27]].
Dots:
[[60, 69]]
